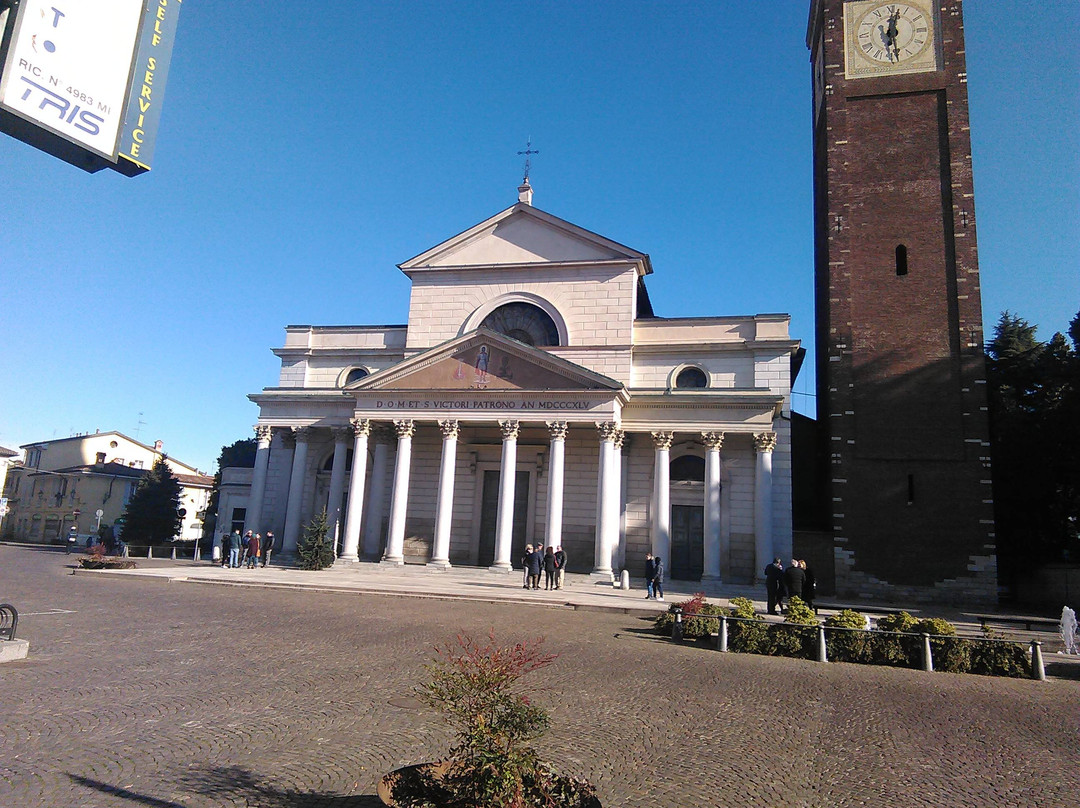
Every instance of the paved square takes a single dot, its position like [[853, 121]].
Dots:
[[145, 693]]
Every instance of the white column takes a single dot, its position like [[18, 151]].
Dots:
[[607, 529], [252, 521], [618, 475], [725, 528], [337, 484], [399, 501], [711, 561], [373, 533], [296, 488], [557, 431], [504, 523], [351, 543], [444, 508], [764, 443], [661, 504]]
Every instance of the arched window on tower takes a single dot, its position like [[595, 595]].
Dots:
[[525, 323], [355, 375]]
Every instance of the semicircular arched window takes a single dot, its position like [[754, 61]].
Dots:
[[691, 377], [525, 323], [687, 468], [355, 375]]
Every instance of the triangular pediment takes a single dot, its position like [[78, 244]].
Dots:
[[484, 360], [521, 235]]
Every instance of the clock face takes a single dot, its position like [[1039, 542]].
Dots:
[[889, 38]]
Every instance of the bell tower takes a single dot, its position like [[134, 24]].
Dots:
[[901, 387]]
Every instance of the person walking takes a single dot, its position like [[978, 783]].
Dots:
[[267, 547], [235, 543], [549, 569], [536, 562], [658, 578], [774, 583], [794, 578], [560, 562], [253, 552], [809, 587], [525, 566], [650, 570]]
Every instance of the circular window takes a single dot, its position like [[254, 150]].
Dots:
[[524, 322], [691, 377], [355, 375]]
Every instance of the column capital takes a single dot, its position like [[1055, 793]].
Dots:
[[302, 434], [449, 429], [382, 433], [621, 439], [714, 441], [663, 440], [360, 427], [263, 432], [557, 429], [764, 441], [405, 427], [341, 434], [608, 430], [509, 429]]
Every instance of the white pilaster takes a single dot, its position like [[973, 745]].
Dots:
[[444, 508], [373, 532], [263, 435], [557, 431], [764, 443], [607, 529], [296, 488], [504, 523], [351, 543], [711, 561], [399, 502], [337, 485], [661, 504]]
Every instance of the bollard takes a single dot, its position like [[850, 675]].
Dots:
[[174, 554], [1037, 669], [624, 580], [822, 651], [721, 637], [149, 552], [676, 627], [927, 654], [125, 551]]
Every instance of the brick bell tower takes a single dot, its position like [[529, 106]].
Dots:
[[900, 373]]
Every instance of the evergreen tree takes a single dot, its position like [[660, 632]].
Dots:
[[1034, 401], [315, 548], [239, 454], [153, 514]]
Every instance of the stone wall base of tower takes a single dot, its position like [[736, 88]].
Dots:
[[978, 588]]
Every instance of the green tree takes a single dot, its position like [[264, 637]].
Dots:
[[153, 514], [1034, 403], [239, 454]]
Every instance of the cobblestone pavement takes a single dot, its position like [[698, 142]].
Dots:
[[139, 692]]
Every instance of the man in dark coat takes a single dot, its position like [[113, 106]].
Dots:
[[650, 569], [774, 584], [267, 547], [535, 560], [560, 560], [794, 578], [658, 577]]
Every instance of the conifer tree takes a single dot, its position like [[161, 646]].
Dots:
[[153, 514]]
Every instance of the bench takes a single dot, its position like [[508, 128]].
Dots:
[[863, 609], [9, 621], [1027, 621]]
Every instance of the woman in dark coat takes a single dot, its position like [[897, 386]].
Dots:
[[809, 587], [549, 568], [253, 552]]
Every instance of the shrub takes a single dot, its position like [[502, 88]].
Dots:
[[694, 627], [999, 658], [849, 646], [897, 621], [315, 548], [749, 635]]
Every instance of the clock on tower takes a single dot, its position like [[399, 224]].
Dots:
[[901, 384]]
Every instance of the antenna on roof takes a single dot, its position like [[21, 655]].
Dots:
[[139, 426]]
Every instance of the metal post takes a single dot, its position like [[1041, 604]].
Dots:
[[677, 627], [174, 554], [150, 551], [927, 654], [125, 551], [721, 637], [1037, 669], [822, 651]]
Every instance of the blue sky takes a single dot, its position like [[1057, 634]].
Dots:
[[306, 149]]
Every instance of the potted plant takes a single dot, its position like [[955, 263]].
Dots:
[[476, 688], [96, 559]]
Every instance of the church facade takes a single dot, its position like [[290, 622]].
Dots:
[[532, 397]]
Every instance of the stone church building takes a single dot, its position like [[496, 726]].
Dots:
[[532, 396]]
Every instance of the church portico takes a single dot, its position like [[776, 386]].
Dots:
[[505, 433]]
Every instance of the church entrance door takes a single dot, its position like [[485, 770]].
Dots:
[[489, 511], [687, 542]]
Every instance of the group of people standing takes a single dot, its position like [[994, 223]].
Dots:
[[654, 577], [550, 560], [795, 581], [250, 550]]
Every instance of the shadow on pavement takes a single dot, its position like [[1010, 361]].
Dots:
[[231, 784]]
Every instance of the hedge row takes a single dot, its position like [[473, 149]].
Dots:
[[896, 642]]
